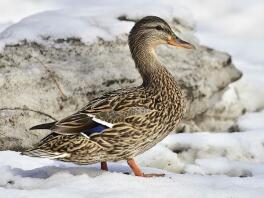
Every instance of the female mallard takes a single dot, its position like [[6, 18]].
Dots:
[[124, 123]]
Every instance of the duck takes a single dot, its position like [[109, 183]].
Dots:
[[121, 124]]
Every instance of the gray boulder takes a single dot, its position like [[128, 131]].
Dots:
[[43, 82]]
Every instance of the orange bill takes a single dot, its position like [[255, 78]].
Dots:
[[179, 43]]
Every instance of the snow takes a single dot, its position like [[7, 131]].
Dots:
[[253, 121], [209, 153], [214, 164]]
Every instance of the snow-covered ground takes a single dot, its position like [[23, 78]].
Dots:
[[214, 165], [25, 177], [195, 165]]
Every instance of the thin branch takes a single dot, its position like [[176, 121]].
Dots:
[[52, 77], [27, 109]]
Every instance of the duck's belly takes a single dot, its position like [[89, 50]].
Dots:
[[92, 153], [149, 139]]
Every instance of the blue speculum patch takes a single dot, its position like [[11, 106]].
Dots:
[[98, 129]]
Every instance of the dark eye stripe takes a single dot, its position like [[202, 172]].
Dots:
[[159, 27], [162, 29]]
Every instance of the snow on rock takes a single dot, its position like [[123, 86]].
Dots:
[[89, 22], [245, 95]]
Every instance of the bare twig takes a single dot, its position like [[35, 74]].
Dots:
[[27, 109], [52, 77]]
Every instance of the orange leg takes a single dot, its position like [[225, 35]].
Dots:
[[104, 166], [135, 168]]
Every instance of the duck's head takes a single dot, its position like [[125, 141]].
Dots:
[[152, 31]]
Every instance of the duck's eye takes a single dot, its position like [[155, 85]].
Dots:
[[159, 27]]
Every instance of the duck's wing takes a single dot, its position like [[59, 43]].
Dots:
[[101, 113]]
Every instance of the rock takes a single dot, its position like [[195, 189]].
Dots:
[[43, 82]]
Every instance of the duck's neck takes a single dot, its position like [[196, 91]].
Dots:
[[147, 63]]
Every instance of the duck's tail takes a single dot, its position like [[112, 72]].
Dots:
[[43, 126], [44, 150], [45, 154]]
